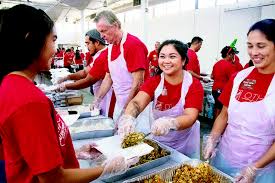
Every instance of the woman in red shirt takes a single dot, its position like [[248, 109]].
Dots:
[[177, 99], [36, 141], [222, 71]]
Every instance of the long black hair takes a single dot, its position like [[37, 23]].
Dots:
[[25, 28], [179, 46]]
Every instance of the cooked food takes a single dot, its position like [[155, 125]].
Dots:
[[154, 179], [132, 139], [203, 173], [158, 152]]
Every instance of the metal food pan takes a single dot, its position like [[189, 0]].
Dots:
[[167, 174], [141, 168], [88, 131]]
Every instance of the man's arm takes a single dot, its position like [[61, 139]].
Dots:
[[80, 74], [82, 83], [195, 75]]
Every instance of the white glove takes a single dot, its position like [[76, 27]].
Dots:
[[61, 87], [95, 103], [117, 165], [210, 149], [62, 79], [87, 151], [163, 125], [126, 125], [247, 175]]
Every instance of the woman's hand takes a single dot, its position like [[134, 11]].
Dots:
[[163, 125], [247, 175]]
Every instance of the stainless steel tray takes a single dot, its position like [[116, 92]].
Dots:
[[141, 168], [87, 128], [167, 173]]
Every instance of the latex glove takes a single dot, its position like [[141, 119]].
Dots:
[[163, 125], [62, 79], [87, 151], [210, 149], [61, 87], [126, 125], [247, 175], [117, 165], [95, 103]]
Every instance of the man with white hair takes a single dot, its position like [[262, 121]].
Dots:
[[127, 63]]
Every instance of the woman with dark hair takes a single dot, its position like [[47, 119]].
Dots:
[[77, 58], [36, 142], [221, 73], [245, 128], [177, 99]]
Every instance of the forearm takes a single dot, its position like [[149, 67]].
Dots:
[[220, 123], [78, 75], [133, 92], [185, 122], [195, 75], [61, 175], [188, 118], [138, 104], [82, 83], [82, 175], [267, 158], [132, 109]]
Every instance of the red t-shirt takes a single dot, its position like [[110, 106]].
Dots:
[[82, 55], [34, 137], [68, 58], [222, 71], [135, 54], [193, 99], [251, 89], [78, 61], [153, 58], [99, 68], [237, 63], [193, 63]]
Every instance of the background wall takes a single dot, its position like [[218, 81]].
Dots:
[[218, 26]]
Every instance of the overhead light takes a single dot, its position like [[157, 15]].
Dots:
[[66, 19], [105, 3]]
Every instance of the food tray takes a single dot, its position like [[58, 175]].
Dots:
[[141, 168], [167, 173], [93, 127]]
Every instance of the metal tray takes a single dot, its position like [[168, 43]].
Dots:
[[141, 168], [88, 130], [167, 173]]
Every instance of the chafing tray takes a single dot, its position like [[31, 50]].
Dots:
[[167, 174], [92, 127], [141, 168]]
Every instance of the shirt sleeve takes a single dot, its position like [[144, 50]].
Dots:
[[136, 57], [98, 70], [150, 85], [37, 138], [192, 62], [226, 93], [194, 97]]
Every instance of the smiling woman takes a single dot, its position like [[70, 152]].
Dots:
[[177, 99], [247, 120]]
